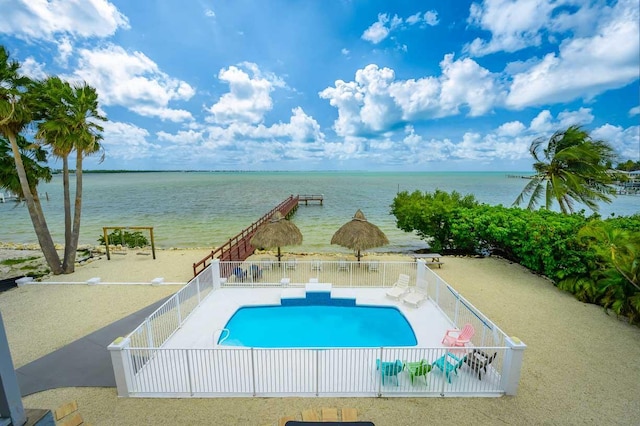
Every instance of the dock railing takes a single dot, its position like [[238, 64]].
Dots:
[[143, 368], [238, 246]]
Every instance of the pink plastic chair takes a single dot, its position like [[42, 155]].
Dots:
[[457, 338]]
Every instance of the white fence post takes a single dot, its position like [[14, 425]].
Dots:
[[149, 333], [317, 372], [512, 365], [121, 362], [421, 276], [253, 372], [457, 308], [215, 273], [178, 312]]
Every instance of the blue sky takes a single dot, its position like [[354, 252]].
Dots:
[[338, 84]]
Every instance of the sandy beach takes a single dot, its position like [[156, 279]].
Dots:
[[580, 365]]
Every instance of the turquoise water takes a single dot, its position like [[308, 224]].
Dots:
[[205, 209], [319, 327]]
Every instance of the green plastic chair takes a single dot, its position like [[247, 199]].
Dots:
[[417, 369]]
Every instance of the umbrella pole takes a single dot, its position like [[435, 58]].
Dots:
[[279, 255], [358, 255]]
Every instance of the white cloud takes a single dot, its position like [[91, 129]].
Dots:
[[125, 141], [209, 13], [33, 69], [163, 113], [348, 98], [40, 19], [431, 18], [575, 118], [244, 143], [381, 29], [376, 102], [543, 122], [634, 111], [65, 48], [182, 137], [345, 51], [464, 82], [414, 19], [378, 30], [379, 110], [301, 128], [514, 24], [584, 67], [511, 141], [132, 80], [512, 128], [249, 96], [625, 141]]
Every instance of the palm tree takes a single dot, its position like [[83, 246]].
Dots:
[[33, 158], [16, 112], [571, 167], [70, 124]]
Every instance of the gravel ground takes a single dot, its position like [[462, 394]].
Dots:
[[580, 366]]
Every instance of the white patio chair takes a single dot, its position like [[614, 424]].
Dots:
[[414, 297], [399, 288]]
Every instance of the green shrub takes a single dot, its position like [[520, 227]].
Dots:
[[598, 261], [125, 239]]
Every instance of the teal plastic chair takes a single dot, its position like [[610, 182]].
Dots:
[[389, 369], [448, 367], [418, 369]]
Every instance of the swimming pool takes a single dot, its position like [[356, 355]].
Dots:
[[318, 326]]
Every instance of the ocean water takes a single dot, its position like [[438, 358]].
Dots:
[[205, 209]]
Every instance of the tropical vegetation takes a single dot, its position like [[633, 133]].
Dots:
[[628, 166], [570, 167], [66, 119], [596, 260], [125, 238]]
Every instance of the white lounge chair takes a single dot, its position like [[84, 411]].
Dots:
[[414, 297], [291, 263], [399, 288], [316, 265]]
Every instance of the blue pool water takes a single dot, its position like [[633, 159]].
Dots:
[[318, 326]]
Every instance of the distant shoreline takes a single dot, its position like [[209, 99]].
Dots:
[[507, 173]]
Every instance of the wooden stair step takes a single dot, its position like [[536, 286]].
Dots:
[[329, 414], [309, 415], [349, 415], [283, 420]]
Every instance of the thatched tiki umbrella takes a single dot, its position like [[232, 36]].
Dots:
[[277, 232], [358, 234]]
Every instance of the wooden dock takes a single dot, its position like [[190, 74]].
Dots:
[[239, 248], [306, 198]]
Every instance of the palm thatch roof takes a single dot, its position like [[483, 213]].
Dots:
[[359, 234], [278, 232]]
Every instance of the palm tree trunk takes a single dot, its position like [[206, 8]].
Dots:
[[67, 210], [35, 212], [70, 255]]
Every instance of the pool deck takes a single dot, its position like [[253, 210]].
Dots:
[[203, 327]]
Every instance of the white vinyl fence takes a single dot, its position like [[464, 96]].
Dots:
[[143, 368]]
